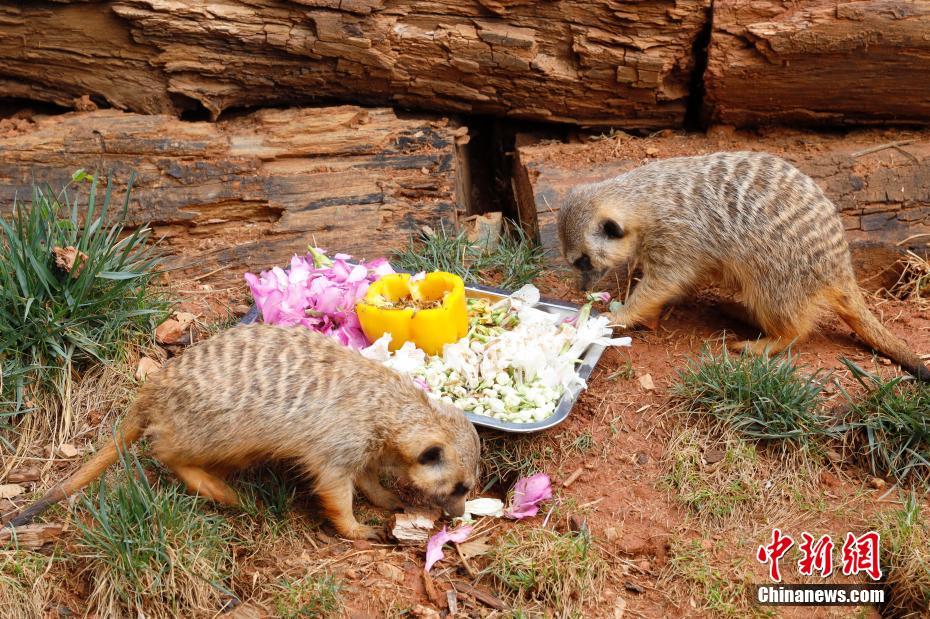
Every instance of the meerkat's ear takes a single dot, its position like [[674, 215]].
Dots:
[[430, 455], [611, 229]]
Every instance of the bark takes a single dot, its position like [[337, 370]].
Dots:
[[819, 62], [590, 62], [879, 180], [249, 192]]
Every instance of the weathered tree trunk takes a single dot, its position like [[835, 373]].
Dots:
[[819, 62], [590, 62], [879, 180], [249, 192]]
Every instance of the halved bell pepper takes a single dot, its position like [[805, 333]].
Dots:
[[430, 329]]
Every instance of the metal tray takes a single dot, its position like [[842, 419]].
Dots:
[[564, 407]]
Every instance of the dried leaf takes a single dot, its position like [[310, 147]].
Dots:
[[475, 547], [8, 491]]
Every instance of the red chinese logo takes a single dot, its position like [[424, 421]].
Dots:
[[774, 552], [860, 554], [817, 555]]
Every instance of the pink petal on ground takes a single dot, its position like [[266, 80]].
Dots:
[[342, 257], [434, 545], [358, 273], [603, 297], [421, 383], [528, 493], [380, 266]]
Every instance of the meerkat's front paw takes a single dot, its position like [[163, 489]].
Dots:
[[363, 531]]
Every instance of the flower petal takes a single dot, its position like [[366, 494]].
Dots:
[[434, 545], [528, 493]]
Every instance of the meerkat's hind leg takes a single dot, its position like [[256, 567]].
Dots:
[[204, 483], [369, 483], [335, 492], [782, 329]]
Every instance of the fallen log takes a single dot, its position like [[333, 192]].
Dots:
[[590, 62], [819, 62], [30, 536], [879, 180], [249, 192]]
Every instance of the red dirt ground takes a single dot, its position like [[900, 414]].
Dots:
[[620, 478]]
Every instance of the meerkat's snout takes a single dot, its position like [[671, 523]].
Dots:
[[587, 274]]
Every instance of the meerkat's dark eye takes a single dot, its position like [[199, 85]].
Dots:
[[612, 229], [460, 489], [583, 263], [431, 455]]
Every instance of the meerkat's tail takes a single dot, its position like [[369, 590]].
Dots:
[[128, 432], [848, 302]]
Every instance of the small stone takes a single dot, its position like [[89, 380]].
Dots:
[[67, 450], [652, 151], [877, 483], [171, 331], [644, 566], [713, 456], [885, 361], [242, 309], [17, 476], [350, 574], [642, 458], [611, 534], [647, 383], [619, 607], [391, 572], [834, 456]]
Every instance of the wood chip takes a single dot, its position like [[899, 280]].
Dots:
[[413, 527], [479, 595], [572, 478], [146, 366], [27, 474], [8, 491], [70, 260], [68, 450], [32, 535], [647, 383], [431, 591], [452, 602], [713, 456]]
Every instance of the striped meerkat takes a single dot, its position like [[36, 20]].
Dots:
[[256, 393], [746, 221]]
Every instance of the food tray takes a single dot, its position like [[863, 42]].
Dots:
[[564, 407]]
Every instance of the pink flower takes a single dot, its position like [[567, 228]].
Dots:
[[421, 383], [528, 493], [317, 292], [603, 297], [434, 545]]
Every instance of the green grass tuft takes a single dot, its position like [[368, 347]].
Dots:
[[152, 550], [542, 566], [52, 321], [890, 427], [724, 594], [905, 536], [758, 397], [516, 261], [311, 596]]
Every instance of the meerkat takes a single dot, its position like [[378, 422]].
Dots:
[[257, 393], [743, 220]]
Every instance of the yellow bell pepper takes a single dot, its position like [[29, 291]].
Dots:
[[430, 329]]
